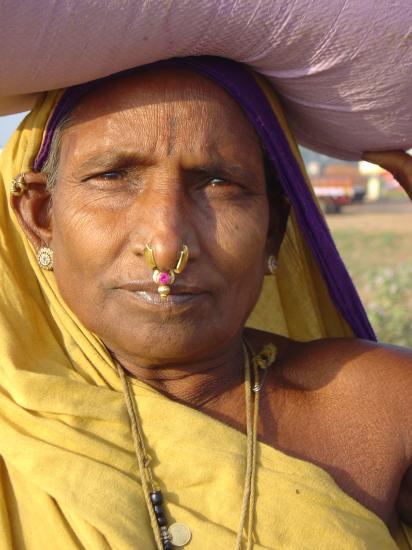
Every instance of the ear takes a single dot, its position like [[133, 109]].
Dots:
[[278, 217], [33, 209]]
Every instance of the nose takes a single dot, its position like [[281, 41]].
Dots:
[[167, 250], [166, 224]]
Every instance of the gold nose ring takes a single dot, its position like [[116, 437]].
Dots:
[[165, 278]]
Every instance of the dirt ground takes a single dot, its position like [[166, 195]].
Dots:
[[393, 217], [375, 242]]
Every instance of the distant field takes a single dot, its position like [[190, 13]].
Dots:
[[375, 241]]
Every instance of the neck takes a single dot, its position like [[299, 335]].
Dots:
[[198, 383]]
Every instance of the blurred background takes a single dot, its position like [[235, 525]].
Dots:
[[370, 218]]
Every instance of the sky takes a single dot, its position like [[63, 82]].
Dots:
[[7, 125]]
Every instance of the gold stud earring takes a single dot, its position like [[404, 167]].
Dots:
[[45, 258], [272, 264], [18, 185]]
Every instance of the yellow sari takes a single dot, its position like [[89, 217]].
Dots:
[[69, 477]]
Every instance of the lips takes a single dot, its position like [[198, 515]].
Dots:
[[153, 298], [176, 289], [182, 295]]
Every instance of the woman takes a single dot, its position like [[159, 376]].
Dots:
[[142, 230]]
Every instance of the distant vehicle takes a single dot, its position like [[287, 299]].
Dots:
[[333, 193], [339, 185], [358, 180]]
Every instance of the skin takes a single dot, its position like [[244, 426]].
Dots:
[[399, 163], [169, 158]]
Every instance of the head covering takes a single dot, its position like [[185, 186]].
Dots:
[[65, 441]]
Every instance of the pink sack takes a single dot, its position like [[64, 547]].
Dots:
[[342, 67]]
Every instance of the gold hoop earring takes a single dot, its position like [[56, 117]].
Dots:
[[18, 185], [45, 258], [165, 278]]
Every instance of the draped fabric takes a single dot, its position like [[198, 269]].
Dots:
[[68, 472]]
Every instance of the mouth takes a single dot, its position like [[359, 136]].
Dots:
[[172, 299], [180, 294]]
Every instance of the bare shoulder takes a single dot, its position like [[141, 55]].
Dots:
[[371, 378], [359, 367], [340, 360], [343, 360], [346, 404]]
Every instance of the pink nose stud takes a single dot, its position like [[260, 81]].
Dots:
[[164, 279]]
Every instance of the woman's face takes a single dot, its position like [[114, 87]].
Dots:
[[166, 158]]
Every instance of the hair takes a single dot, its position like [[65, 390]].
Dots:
[[51, 164], [276, 197]]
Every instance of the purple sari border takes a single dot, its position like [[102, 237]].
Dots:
[[240, 84]]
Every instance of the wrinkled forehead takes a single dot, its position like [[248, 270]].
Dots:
[[154, 87], [163, 87], [164, 101]]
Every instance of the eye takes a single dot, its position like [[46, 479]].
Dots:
[[109, 181], [219, 182], [109, 176], [222, 188]]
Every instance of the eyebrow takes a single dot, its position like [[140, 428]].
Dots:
[[113, 159], [117, 158]]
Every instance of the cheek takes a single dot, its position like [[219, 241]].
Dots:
[[80, 221], [241, 239], [84, 242]]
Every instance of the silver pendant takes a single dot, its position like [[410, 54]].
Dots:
[[180, 534]]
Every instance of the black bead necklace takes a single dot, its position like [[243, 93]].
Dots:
[[156, 498]]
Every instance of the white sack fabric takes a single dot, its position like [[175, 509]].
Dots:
[[342, 67]]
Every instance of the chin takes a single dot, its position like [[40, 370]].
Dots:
[[167, 343]]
